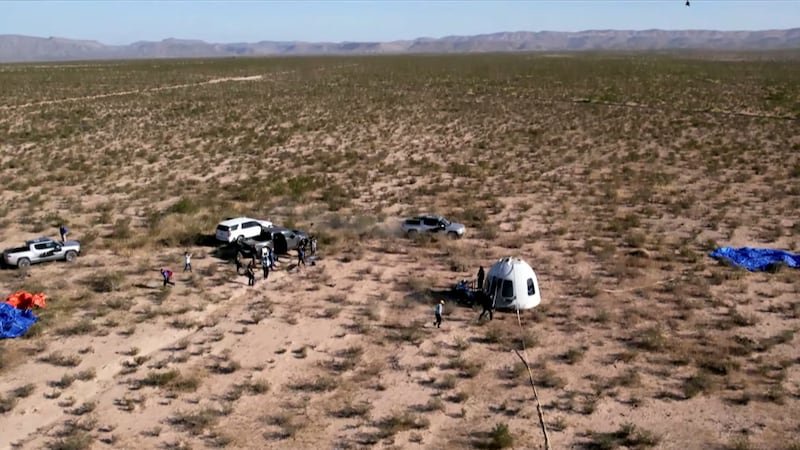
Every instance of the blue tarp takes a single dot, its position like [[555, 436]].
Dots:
[[14, 322], [755, 259]]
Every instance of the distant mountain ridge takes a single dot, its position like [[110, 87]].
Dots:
[[16, 48]]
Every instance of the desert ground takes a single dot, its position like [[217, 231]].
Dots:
[[613, 175]]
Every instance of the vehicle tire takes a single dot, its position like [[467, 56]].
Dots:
[[24, 263], [412, 234], [452, 235], [239, 239], [70, 256]]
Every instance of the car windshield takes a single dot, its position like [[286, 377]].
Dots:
[[445, 222]]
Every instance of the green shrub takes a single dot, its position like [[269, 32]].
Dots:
[[500, 437], [183, 206], [107, 282]]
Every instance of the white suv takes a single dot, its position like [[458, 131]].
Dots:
[[240, 228]]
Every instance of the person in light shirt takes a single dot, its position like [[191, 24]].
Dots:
[[437, 311]]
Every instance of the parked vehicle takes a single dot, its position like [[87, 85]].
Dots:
[[238, 229], [432, 224], [280, 239], [40, 250]]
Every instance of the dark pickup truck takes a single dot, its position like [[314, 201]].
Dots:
[[280, 239]]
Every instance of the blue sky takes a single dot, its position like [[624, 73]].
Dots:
[[123, 22]]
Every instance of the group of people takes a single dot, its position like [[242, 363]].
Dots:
[[166, 274], [305, 246], [486, 301], [268, 258]]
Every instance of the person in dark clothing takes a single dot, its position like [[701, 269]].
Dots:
[[63, 231], [487, 303], [251, 276], [481, 275], [301, 256], [167, 274]]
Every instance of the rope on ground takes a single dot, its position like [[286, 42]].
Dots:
[[533, 385], [619, 291]]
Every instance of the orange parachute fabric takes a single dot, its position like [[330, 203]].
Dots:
[[26, 300]]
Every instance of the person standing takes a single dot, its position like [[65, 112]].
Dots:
[[271, 257], [301, 256], [437, 311], [187, 262], [481, 276], [313, 246], [63, 231]]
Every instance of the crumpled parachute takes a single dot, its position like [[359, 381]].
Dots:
[[756, 259], [26, 300], [16, 314]]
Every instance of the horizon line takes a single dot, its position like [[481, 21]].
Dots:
[[408, 39]]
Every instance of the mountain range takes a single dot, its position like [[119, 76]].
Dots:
[[16, 48]]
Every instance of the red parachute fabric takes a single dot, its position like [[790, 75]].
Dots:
[[26, 300]]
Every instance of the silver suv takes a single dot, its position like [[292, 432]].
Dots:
[[432, 224]]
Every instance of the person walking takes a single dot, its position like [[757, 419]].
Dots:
[[301, 256], [187, 262], [63, 231], [251, 276], [265, 265], [167, 275], [271, 257], [313, 246], [437, 311], [487, 303], [481, 276]]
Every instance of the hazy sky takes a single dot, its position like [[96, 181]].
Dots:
[[121, 22]]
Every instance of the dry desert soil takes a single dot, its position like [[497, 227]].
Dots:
[[613, 175]]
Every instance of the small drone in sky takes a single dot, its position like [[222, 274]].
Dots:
[[687, 3]]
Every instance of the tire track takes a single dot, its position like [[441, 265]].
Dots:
[[132, 92]]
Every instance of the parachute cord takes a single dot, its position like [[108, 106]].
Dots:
[[533, 385]]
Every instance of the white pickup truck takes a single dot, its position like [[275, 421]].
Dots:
[[40, 250]]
